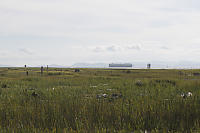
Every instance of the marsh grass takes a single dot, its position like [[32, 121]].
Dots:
[[150, 101]]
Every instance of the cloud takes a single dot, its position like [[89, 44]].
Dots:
[[26, 51], [116, 48], [164, 47], [134, 47], [98, 49], [112, 48], [3, 53], [117, 29]]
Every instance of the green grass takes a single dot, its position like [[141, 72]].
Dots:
[[150, 100]]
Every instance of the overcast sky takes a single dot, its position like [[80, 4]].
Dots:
[[64, 32]]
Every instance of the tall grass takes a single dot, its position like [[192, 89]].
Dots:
[[67, 102]]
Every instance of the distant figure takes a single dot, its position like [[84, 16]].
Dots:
[[148, 66], [42, 69], [25, 66], [26, 73]]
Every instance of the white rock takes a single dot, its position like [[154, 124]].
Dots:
[[189, 94], [104, 95]]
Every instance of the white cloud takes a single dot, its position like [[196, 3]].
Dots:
[[134, 47], [112, 48], [26, 51], [164, 48]]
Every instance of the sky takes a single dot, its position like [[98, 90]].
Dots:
[[65, 32]]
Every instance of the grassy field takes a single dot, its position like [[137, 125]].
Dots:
[[99, 100]]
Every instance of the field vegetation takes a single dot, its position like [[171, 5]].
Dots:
[[99, 100]]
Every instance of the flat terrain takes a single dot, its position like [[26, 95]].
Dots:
[[99, 100]]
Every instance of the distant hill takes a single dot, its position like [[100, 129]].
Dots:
[[57, 66], [1, 65], [90, 65], [136, 65], [52, 65]]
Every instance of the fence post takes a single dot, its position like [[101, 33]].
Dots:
[[26, 70], [47, 68]]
